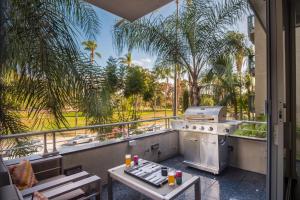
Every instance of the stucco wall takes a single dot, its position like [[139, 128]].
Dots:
[[244, 153], [248, 154], [99, 160], [260, 68]]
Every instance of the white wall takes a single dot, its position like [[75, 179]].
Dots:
[[260, 68], [248, 154]]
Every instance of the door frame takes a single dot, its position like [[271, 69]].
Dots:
[[281, 98], [275, 100]]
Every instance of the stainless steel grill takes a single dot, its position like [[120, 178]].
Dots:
[[206, 114], [203, 137]]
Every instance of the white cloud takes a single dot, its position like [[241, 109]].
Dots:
[[144, 62]]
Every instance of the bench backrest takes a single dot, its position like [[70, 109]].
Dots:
[[43, 167]]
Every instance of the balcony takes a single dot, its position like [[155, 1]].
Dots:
[[234, 183], [243, 179]]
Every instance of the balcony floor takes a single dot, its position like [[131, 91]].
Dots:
[[232, 184]]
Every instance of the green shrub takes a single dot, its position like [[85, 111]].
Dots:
[[207, 100], [252, 130]]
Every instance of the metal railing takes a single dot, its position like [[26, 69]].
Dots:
[[124, 131]]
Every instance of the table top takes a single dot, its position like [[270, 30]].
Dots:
[[164, 192]]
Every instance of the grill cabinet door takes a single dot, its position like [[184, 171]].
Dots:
[[209, 151], [191, 147]]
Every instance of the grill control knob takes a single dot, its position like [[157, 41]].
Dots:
[[202, 127], [226, 130], [187, 126], [211, 128], [194, 127]]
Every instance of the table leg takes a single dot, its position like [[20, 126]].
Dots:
[[98, 189], [109, 187], [197, 190]]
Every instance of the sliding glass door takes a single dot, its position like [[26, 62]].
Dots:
[[283, 98]]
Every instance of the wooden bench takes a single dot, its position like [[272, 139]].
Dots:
[[80, 185]]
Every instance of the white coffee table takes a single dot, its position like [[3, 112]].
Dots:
[[165, 192]]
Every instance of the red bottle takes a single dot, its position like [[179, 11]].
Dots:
[[136, 159], [178, 177]]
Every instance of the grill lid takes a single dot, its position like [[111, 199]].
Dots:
[[206, 113]]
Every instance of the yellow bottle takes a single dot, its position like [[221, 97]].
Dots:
[[127, 160], [171, 178]]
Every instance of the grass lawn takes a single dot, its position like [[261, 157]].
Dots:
[[71, 119]]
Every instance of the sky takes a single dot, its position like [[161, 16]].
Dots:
[[105, 41]]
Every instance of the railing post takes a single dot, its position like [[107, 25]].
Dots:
[[168, 123], [45, 143], [54, 141], [128, 129]]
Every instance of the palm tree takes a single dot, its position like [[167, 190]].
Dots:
[[200, 27], [224, 82], [91, 45], [127, 59], [236, 44], [44, 56]]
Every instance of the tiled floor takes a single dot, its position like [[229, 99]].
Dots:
[[232, 184]]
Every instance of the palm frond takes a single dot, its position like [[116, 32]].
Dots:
[[43, 49], [80, 14]]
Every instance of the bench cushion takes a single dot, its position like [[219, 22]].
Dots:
[[22, 175]]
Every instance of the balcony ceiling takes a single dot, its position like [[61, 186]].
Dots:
[[129, 9]]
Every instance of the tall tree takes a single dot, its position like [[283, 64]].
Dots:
[[134, 87], [200, 27], [91, 46], [164, 72]]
